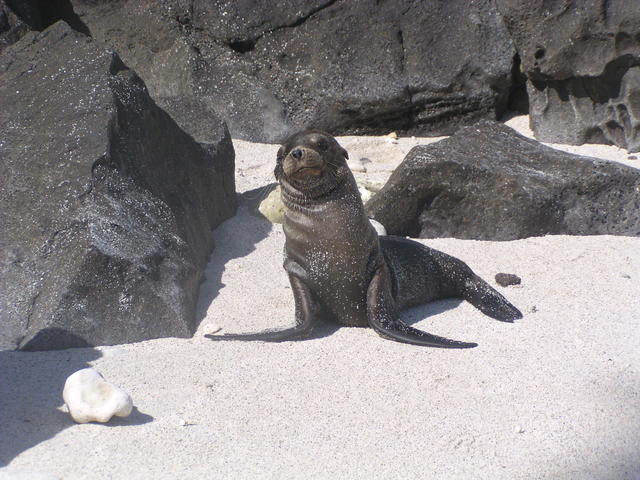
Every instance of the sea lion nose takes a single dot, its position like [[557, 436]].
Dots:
[[297, 154]]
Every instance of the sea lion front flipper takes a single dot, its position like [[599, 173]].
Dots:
[[383, 317], [306, 319]]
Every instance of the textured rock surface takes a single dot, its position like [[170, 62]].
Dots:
[[604, 109], [17, 17], [106, 205], [345, 66], [12, 28], [488, 182], [583, 64]]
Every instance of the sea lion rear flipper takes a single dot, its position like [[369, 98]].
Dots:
[[488, 300], [383, 317], [466, 284], [306, 319]]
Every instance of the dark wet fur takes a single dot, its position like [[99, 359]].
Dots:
[[338, 266]]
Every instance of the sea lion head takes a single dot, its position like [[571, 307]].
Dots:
[[312, 162]]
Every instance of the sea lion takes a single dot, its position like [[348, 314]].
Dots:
[[340, 268]]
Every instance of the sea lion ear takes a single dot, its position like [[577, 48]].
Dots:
[[344, 153], [280, 155]]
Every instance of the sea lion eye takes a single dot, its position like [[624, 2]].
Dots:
[[322, 145]]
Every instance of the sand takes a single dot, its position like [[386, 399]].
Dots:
[[555, 395]]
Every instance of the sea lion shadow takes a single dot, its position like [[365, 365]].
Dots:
[[253, 198], [324, 329], [409, 316], [420, 312], [31, 386]]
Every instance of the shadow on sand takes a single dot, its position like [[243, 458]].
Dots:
[[422, 312], [234, 238], [31, 386]]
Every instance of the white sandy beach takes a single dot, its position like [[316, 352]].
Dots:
[[554, 396]]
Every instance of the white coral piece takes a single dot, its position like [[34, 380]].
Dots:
[[378, 226], [365, 194], [90, 398]]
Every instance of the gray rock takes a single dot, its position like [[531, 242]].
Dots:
[[106, 205], [583, 64], [604, 109], [353, 67], [489, 183], [20, 16], [12, 28], [560, 40]]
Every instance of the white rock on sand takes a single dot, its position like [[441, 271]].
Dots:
[[553, 396], [90, 398]]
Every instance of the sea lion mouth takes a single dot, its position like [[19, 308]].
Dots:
[[308, 171]]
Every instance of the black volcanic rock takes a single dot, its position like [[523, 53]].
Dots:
[[106, 205], [583, 64], [17, 17], [12, 27], [358, 66], [489, 183]]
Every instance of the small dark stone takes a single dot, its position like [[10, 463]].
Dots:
[[507, 279], [632, 157]]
